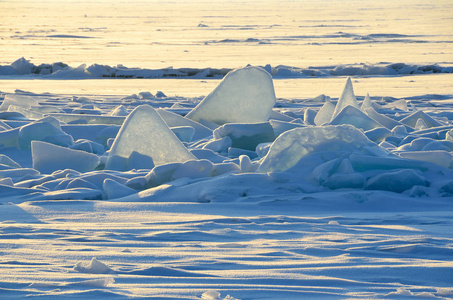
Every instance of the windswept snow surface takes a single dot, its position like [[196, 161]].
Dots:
[[326, 211]]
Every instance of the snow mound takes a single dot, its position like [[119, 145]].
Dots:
[[94, 267]]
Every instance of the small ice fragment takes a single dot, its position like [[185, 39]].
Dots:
[[4, 126], [362, 163], [119, 111], [94, 267], [88, 146], [246, 164], [5, 160], [282, 126], [209, 155], [22, 66], [443, 145], [41, 130], [447, 187], [145, 95], [319, 98], [366, 103], [262, 149], [324, 114], [412, 119], [48, 158], [449, 135], [219, 145], [344, 181], [145, 132], [347, 99], [211, 295], [385, 121], [355, 117], [193, 169], [161, 174], [223, 168], [309, 116], [115, 189], [160, 94], [184, 133], [137, 183], [279, 116], [244, 96], [378, 134], [6, 181], [420, 125], [18, 100], [321, 172], [396, 181], [399, 104], [139, 161], [333, 222], [175, 120], [439, 157], [399, 131], [79, 183], [246, 136]]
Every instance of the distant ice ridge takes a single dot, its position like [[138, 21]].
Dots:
[[61, 70]]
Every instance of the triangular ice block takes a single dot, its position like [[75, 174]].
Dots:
[[244, 96], [347, 99], [146, 133]]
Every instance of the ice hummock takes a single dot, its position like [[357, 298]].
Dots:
[[290, 147], [244, 96]]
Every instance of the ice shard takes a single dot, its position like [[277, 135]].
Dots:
[[347, 98], [244, 96], [412, 119], [146, 133], [324, 114], [175, 120]]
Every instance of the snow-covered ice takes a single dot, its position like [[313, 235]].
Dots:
[[282, 202], [289, 181]]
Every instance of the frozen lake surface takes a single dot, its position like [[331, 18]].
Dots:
[[226, 34], [333, 195]]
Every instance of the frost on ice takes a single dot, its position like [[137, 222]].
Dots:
[[244, 96], [144, 132]]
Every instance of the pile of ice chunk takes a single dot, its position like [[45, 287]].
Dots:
[[129, 148]]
